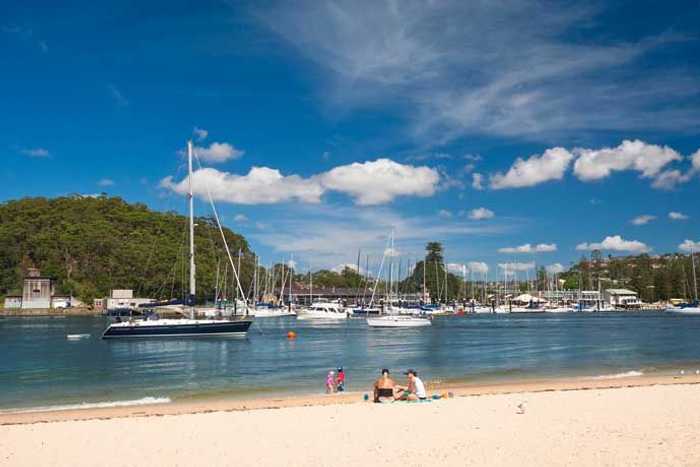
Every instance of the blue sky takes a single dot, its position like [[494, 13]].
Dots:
[[327, 124]]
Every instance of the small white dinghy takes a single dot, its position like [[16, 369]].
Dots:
[[398, 321], [77, 337]]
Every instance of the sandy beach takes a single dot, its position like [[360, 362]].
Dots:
[[630, 421]]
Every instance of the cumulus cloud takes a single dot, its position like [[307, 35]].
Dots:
[[391, 252], [615, 243], [695, 160], [105, 182], [261, 185], [380, 181], [551, 165], [218, 152], [341, 267], [200, 133], [35, 152], [677, 216], [670, 179], [647, 159], [528, 248], [555, 268], [240, 218], [643, 219], [477, 181], [478, 267], [456, 268], [689, 245], [444, 213], [517, 267], [481, 214], [369, 183]]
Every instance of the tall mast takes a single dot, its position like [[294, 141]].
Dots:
[[191, 202], [695, 280], [424, 263]]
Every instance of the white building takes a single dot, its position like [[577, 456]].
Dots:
[[121, 298], [13, 301], [37, 291], [623, 298]]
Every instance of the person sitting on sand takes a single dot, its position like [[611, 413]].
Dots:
[[384, 388], [415, 390], [330, 382]]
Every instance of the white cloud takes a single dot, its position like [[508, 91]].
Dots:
[[695, 159], [677, 216], [380, 181], [477, 181], [444, 213], [35, 152], [689, 245], [670, 179], [218, 152], [460, 68], [648, 159], [481, 214], [478, 267], [551, 165], [240, 218], [528, 248], [341, 267], [368, 183], [615, 243], [391, 252], [555, 268], [517, 267], [261, 185], [643, 219], [456, 268], [200, 133], [332, 234], [105, 182]]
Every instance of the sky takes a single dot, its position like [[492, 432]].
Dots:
[[514, 132]]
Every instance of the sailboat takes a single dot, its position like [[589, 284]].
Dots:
[[396, 320], [184, 327], [692, 308]]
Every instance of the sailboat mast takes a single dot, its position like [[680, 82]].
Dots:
[[695, 280], [191, 203]]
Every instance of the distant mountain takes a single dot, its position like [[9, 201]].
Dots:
[[91, 245]]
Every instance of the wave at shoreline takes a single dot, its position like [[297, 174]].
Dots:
[[91, 405]]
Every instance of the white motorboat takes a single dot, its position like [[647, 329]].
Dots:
[[323, 310], [269, 312], [559, 309], [400, 321], [689, 310]]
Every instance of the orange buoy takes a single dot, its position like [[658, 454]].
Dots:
[[291, 335]]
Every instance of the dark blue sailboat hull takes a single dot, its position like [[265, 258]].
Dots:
[[223, 328]]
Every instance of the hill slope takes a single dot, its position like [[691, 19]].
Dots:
[[91, 245]]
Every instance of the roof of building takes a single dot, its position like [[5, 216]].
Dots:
[[621, 291]]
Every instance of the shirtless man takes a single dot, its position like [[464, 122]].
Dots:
[[384, 388]]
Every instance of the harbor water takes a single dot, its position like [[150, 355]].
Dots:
[[52, 362]]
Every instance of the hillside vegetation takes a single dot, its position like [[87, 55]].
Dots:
[[91, 245]]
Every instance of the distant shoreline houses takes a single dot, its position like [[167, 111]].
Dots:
[[38, 292]]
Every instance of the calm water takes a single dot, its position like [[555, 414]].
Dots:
[[40, 367]]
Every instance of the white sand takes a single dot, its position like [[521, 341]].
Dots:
[[656, 425]]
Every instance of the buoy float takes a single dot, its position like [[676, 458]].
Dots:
[[291, 335]]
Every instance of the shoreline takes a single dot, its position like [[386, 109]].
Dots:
[[31, 416]]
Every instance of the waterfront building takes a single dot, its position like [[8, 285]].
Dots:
[[37, 290], [13, 302], [623, 298]]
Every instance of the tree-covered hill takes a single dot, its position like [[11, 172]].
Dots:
[[91, 245]]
